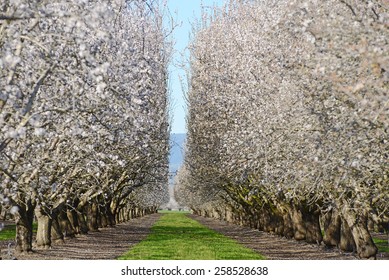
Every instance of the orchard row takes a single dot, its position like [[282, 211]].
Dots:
[[289, 119], [83, 115]]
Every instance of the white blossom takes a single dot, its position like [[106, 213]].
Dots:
[[14, 210]]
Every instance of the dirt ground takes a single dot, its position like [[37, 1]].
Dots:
[[106, 244], [271, 246], [274, 247], [109, 243]]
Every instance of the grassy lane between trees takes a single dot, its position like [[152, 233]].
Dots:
[[177, 237], [382, 245], [9, 232]]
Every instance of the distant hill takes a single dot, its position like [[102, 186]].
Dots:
[[176, 158]]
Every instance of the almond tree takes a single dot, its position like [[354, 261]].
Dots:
[[84, 117], [288, 117]]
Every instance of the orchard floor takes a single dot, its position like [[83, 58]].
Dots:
[[110, 243], [105, 244]]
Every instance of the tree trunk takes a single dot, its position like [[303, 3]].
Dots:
[[370, 225], [266, 221], [117, 216], [103, 220], [332, 225], [357, 222], [43, 236], [56, 231], [346, 243], [287, 221], [127, 214], [228, 215], [99, 217], [298, 224], [72, 218], [23, 220], [109, 210], [110, 215], [23, 232], [92, 217], [82, 223], [253, 219], [73, 221], [81, 220], [312, 225], [273, 221]]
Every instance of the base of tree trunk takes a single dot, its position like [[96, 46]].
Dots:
[[298, 224], [346, 243], [23, 220], [358, 224], [332, 226], [43, 235], [312, 225]]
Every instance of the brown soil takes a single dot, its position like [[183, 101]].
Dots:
[[106, 244], [110, 243], [274, 247]]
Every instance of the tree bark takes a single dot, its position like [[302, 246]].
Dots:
[[24, 220], [73, 221], [72, 218], [92, 217], [277, 221], [287, 221], [56, 231], [110, 214], [298, 224], [357, 222], [228, 215], [346, 243], [332, 226], [79, 213], [312, 225], [43, 236], [82, 222], [266, 221], [103, 220]]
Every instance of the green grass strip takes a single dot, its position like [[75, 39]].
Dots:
[[382, 245], [177, 237], [8, 233]]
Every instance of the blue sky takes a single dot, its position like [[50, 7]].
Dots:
[[184, 12]]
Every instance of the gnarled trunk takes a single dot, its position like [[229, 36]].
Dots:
[[228, 215], [92, 212], [24, 220], [312, 225], [81, 220], [43, 236], [65, 224], [287, 221], [298, 224], [56, 231], [110, 212], [73, 220], [357, 222], [276, 220], [332, 225], [346, 238]]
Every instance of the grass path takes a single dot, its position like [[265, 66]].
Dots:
[[177, 237]]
